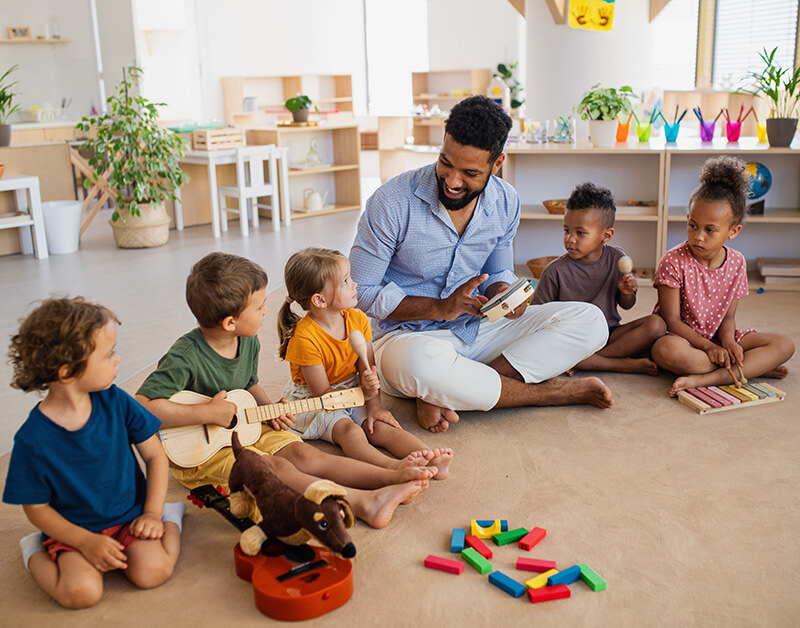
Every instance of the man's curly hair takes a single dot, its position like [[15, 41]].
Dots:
[[60, 332], [590, 196], [479, 121]]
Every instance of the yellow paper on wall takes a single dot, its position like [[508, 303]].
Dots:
[[593, 15]]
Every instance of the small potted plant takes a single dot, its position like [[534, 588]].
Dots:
[[601, 106], [299, 106], [139, 159], [6, 108], [781, 86], [506, 74]]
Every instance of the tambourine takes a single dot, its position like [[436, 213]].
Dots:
[[508, 300]]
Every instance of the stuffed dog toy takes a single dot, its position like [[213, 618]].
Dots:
[[282, 513]]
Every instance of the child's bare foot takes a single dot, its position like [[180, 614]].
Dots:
[[442, 456], [694, 381], [408, 474], [434, 418], [779, 372], [416, 459], [376, 507], [637, 365]]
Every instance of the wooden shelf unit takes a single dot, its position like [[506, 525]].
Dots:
[[338, 146], [271, 92], [35, 41]]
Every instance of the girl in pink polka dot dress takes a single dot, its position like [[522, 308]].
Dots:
[[699, 286]]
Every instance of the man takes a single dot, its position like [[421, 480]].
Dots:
[[426, 242]]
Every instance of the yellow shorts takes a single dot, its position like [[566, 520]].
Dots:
[[217, 469]]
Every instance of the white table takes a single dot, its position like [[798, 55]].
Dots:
[[213, 158], [28, 217]]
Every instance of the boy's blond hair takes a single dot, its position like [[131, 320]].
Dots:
[[59, 332], [220, 285]]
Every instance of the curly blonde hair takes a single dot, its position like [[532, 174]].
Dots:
[[59, 332]]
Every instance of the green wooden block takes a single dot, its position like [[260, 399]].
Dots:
[[592, 578], [504, 538], [476, 560]]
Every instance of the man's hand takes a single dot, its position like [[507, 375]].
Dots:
[[219, 411], [284, 421], [462, 301], [370, 384]]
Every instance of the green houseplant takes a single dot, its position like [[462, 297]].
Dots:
[[6, 105], [139, 160], [781, 86], [299, 106], [506, 74], [601, 106]]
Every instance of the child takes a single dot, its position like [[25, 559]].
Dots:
[[588, 272], [317, 347], [227, 295], [72, 467], [699, 286]]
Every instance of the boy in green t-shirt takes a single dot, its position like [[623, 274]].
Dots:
[[227, 295]]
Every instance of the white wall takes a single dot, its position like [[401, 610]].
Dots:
[[564, 62]]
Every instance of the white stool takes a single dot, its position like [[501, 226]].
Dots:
[[28, 217]]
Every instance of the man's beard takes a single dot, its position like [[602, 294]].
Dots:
[[455, 204]]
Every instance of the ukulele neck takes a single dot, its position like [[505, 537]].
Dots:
[[272, 411]]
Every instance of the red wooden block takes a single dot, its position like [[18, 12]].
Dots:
[[704, 397], [533, 564], [444, 564], [545, 594], [479, 546], [529, 541]]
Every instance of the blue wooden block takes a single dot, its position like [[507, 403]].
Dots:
[[567, 576], [509, 585], [485, 523], [457, 540]]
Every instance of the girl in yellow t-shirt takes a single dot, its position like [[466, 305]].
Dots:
[[321, 359]]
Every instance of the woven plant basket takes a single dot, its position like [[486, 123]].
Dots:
[[538, 264], [149, 229]]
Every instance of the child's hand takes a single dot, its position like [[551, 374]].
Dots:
[[628, 284], [284, 421], [379, 414], [735, 351], [104, 553], [147, 526], [370, 383], [719, 356], [219, 411]]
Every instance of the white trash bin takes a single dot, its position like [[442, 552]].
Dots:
[[62, 226]]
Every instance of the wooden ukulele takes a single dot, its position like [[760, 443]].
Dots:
[[289, 583], [191, 445]]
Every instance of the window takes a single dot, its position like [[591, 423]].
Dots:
[[675, 45], [745, 27]]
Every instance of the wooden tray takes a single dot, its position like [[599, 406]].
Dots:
[[556, 205]]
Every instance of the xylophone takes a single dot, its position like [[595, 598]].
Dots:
[[708, 399]]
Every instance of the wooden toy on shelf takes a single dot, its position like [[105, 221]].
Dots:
[[707, 399]]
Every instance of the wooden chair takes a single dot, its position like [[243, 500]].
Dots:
[[97, 196], [250, 186]]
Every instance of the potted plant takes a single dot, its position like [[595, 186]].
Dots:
[[139, 160], [6, 108], [299, 105], [782, 87], [601, 106], [506, 74]]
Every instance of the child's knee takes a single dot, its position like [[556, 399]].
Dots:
[[345, 429], [77, 594], [785, 347], [656, 326], [153, 574]]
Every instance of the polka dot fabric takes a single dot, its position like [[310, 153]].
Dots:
[[706, 293]]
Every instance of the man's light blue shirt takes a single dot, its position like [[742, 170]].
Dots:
[[407, 245]]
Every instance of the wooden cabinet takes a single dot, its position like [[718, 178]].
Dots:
[[327, 91], [37, 133], [338, 176]]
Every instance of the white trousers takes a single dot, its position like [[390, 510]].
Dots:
[[437, 367]]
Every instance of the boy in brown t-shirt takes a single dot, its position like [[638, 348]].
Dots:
[[588, 272]]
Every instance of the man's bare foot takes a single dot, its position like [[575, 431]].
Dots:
[[434, 418], [779, 372], [567, 392], [408, 474], [442, 456], [376, 507], [416, 459]]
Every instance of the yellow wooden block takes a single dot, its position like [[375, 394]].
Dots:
[[486, 533], [541, 580]]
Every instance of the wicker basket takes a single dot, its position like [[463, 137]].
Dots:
[[556, 205], [538, 264], [150, 229]]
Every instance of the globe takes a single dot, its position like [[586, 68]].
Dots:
[[760, 179]]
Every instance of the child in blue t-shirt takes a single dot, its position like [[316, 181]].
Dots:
[[72, 467]]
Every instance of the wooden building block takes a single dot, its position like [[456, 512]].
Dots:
[[567, 576], [479, 546], [540, 581], [476, 560], [533, 564], [457, 540], [509, 585], [504, 538], [530, 540], [484, 523], [592, 578], [549, 593], [444, 564], [485, 532]]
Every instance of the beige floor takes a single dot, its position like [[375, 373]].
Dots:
[[692, 520]]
